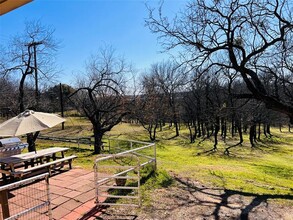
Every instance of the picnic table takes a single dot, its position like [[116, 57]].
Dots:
[[33, 161], [25, 164]]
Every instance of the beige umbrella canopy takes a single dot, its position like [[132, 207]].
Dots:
[[27, 122]]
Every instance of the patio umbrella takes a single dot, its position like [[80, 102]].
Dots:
[[27, 122]]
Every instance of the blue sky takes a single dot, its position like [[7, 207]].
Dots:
[[83, 26]]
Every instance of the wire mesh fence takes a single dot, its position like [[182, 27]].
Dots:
[[26, 199]]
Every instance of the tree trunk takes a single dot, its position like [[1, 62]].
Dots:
[[203, 131], [176, 128], [233, 126], [252, 133], [239, 127], [98, 135], [199, 129], [31, 139], [191, 136], [207, 132], [269, 130], [217, 128], [264, 130], [152, 131], [258, 135], [21, 94], [195, 130], [223, 129], [153, 138]]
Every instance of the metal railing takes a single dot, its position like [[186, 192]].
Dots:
[[125, 166], [30, 200]]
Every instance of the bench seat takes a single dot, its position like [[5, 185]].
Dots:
[[48, 166]]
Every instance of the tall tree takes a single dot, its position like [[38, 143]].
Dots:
[[30, 55], [170, 79], [151, 106], [244, 35], [101, 94]]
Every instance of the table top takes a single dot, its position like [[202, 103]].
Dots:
[[18, 158]]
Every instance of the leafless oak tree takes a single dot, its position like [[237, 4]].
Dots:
[[101, 94], [250, 37], [30, 55]]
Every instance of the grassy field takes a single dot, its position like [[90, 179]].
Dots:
[[265, 170]]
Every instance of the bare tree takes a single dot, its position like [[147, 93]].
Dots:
[[170, 79], [151, 106], [101, 95], [31, 55], [246, 36], [8, 91]]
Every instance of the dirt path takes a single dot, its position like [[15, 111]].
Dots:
[[191, 200]]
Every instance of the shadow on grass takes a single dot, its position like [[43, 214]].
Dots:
[[207, 152], [227, 152], [120, 216], [98, 210], [221, 199]]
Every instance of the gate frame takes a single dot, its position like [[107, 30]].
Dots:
[[129, 153]]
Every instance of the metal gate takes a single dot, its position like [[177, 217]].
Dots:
[[123, 178], [117, 176]]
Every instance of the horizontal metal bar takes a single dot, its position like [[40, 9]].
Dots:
[[150, 161], [133, 141], [117, 196], [25, 212], [115, 166], [23, 182], [126, 177], [105, 180], [141, 155], [118, 187], [117, 174], [122, 153], [119, 177], [117, 204]]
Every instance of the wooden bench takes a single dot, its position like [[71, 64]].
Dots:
[[47, 167], [33, 163]]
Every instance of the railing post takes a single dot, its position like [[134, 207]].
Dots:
[[4, 204], [96, 180], [138, 184]]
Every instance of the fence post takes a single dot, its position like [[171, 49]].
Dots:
[[4, 203], [138, 184]]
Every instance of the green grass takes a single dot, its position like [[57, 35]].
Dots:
[[266, 169]]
